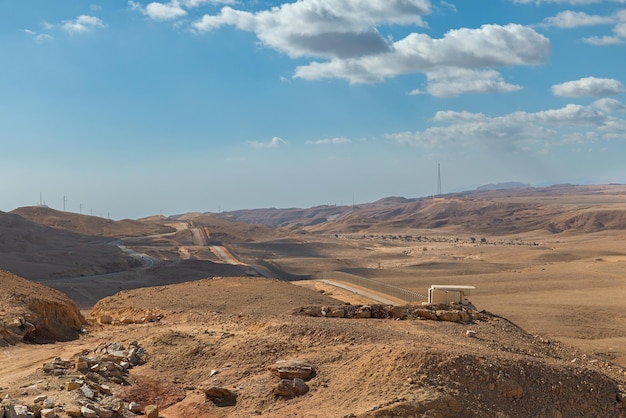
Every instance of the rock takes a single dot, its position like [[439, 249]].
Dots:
[[73, 411], [111, 403], [464, 316], [450, 316], [290, 388], [338, 312], [134, 407], [16, 411], [291, 369], [426, 314], [40, 398], [48, 413], [105, 319], [470, 333], [398, 312], [88, 412], [151, 411], [363, 312], [102, 412], [87, 392], [221, 396], [72, 385], [1, 411]]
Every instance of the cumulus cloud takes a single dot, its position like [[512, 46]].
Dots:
[[81, 24], [448, 82], [160, 11], [173, 10], [570, 19], [275, 142], [452, 63], [345, 36], [330, 141], [519, 130], [589, 87], [323, 28]]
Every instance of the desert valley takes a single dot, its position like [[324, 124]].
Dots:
[[300, 312]]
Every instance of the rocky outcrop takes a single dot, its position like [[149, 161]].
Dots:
[[36, 313]]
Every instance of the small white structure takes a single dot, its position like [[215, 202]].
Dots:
[[443, 293]]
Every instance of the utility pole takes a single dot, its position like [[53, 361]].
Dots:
[[64, 202], [80, 210], [438, 179]]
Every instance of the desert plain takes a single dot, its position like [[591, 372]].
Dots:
[[215, 300]]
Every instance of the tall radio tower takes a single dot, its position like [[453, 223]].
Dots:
[[438, 179]]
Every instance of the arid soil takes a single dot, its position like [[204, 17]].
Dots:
[[547, 265]]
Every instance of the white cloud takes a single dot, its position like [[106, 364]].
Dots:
[[589, 86], [273, 143], [331, 141], [322, 28], [609, 105], [345, 33], [460, 52], [160, 11], [38, 37], [570, 19], [448, 82], [82, 23], [174, 9], [603, 40], [520, 130]]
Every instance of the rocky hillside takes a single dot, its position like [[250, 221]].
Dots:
[[241, 347], [34, 313], [494, 212], [90, 225], [37, 251]]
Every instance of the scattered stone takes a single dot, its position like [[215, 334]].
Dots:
[[88, 412], [363, 312], [111, 403], [16, 411], [134, 407], [40, 398], [291, 369], [290, 388], [72, 385], [73, 411], [398, 312], [48, 413], [221, 396], [470, 333], [151, 411], [87, 392], [105, 319]]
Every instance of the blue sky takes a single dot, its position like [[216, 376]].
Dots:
[[133, 108]]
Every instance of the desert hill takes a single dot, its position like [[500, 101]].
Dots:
[[491, 211], [549, 260], [214, 348], [36, 251], [90, 225]]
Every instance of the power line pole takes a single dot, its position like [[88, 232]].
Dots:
[[438, 179], [64, 202]]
